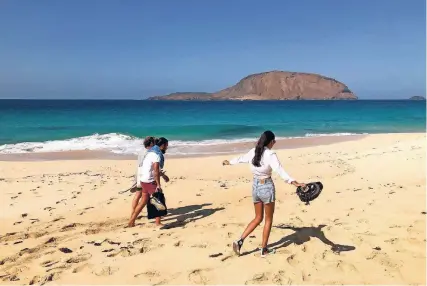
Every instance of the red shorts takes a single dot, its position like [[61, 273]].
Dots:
[[149, 188]]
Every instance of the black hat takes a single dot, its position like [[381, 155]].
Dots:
[[310, 192]]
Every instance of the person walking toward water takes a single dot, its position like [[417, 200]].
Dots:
[[263, 161], [151, 171]]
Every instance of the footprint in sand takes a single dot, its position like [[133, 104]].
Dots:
[[69, 227], [280, 278], [50, 240], [80, 268], [43, 280], [65, 250], [292, 260], [261, 277], [149, 274], [125, 251], [82, 257], [9, 277], [99, 243], [94, 230], [48, 263], [198, 276], [200, 245], [346, 267], [383, 259], [143, 243], [105, 271]]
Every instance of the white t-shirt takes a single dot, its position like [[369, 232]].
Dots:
[[146, 171], [269, 162], [141, 157]]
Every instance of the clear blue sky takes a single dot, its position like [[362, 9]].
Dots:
[[135, 49]]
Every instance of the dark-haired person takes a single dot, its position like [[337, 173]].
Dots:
[[263, 161], [151, 171]]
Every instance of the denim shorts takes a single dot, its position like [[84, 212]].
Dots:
[[263, 190]]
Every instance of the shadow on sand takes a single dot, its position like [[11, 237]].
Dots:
[[302, 235], [184, 215]]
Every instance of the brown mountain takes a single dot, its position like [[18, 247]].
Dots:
[[274, 85]]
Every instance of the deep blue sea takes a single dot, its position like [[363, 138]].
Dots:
[[119, 125]]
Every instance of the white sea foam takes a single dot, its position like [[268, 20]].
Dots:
[[124, 144], [332, 134]]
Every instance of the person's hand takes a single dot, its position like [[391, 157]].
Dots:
[[159, 189], [296, 184], [225, 162], [165, 177]]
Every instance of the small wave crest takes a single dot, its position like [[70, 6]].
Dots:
[[124, 144], [332, 134]]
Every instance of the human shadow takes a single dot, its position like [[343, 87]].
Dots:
[[302, 235], [187, 214], [187, 209]]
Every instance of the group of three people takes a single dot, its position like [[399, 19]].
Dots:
[[263, 161]]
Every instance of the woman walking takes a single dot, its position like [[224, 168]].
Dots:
[[263, 161]]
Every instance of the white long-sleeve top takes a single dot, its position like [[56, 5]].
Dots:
[[269, 162]]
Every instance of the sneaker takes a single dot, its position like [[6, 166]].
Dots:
[[157, 203], [237, 245], [266, 251]]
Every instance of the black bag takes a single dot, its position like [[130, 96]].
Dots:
[[310, 192], [152, 211]]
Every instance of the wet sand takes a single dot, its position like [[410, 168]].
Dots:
[[201, 151]]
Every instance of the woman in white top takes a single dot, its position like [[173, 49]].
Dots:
[[263, 162]]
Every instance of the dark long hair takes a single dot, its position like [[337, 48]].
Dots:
[[263, 141]]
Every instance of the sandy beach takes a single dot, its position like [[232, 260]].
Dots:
[[62, 221]]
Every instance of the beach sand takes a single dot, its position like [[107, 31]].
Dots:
[[63, 221]]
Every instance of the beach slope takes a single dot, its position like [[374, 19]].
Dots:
[[63, 222]]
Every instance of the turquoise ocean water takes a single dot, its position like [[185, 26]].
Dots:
[[118, 126]]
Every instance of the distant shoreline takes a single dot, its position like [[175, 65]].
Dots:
[[224, 100], [204, 151]]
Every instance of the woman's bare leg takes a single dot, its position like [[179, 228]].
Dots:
[[269, 211], [259, 212], [259, 208]]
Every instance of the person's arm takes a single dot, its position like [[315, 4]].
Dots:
[[277, 167], [241, 159], [156, 171], [164, 176]]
